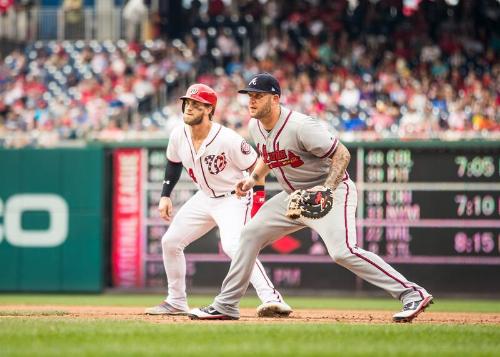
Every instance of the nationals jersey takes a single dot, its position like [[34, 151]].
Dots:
[[220, 161], [297, 149]]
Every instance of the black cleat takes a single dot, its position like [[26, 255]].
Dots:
[[209, 313], [412, 310]]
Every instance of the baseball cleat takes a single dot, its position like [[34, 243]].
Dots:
[[209, 313], [274, 309], [412, 310], [165, 309]]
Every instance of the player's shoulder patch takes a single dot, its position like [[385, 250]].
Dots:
[[245, 147]]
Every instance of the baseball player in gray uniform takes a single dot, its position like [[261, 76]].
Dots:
[[310, 165]]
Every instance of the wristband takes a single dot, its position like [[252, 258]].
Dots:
[[259, 198]]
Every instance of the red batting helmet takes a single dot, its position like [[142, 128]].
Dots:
[[201, 93]]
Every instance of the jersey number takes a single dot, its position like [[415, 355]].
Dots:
[[191, 174]]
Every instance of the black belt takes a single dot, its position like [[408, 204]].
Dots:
[[225, 195]]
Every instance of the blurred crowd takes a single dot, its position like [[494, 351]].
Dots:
[[370, 69], [73, 90]]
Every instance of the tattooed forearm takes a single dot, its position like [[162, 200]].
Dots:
[[340, 160], [260, 171]]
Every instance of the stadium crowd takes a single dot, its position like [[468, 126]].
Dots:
[[371, 69]]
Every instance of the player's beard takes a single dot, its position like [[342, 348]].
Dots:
[[265, 111], [193, 120]]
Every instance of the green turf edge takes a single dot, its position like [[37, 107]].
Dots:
[[339, 303]]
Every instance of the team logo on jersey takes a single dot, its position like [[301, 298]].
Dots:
[[279, 158], [216, 163], [245, 147]]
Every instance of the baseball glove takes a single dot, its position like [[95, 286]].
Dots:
[[312, 203]]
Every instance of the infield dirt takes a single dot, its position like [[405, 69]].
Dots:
[[247, 315]]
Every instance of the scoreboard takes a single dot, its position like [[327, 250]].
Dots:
[[431, 209], [428, 206]]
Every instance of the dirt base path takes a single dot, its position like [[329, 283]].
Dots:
[[247, 315]]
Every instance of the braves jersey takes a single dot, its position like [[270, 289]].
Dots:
[[297, 149], [220, 161]]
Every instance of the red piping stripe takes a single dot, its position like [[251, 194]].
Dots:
[[220, 127], [260, 129], [286, 180], [206, 182], [253, 163], [332, 149], [281, 129], [246, 213], [363, 257], [275, 149], [261, 269], [190, 148]]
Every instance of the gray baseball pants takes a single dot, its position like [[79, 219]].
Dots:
[[338, 231]]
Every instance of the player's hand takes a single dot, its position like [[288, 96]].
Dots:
[[243, 186], [165, 208]]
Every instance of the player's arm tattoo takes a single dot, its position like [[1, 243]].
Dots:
[[260, 171], [340, 160]]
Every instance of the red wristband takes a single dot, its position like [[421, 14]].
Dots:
[[259, 197]]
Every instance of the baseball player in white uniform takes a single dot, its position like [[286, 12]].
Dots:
[[216, 158], [308, 162]]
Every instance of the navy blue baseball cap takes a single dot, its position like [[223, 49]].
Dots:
[[262, 83]]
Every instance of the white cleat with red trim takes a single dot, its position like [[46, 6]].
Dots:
[[412, 310]]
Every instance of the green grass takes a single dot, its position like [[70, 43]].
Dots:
[[54, 333], [66, 337], [444, 305], [33, 313]]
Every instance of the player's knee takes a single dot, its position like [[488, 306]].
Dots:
[[340, 253], [340, 256], [170, 245], [252, 238], [249, 231], [230, 249]]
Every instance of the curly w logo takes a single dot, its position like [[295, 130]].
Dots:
[[216, 163]]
